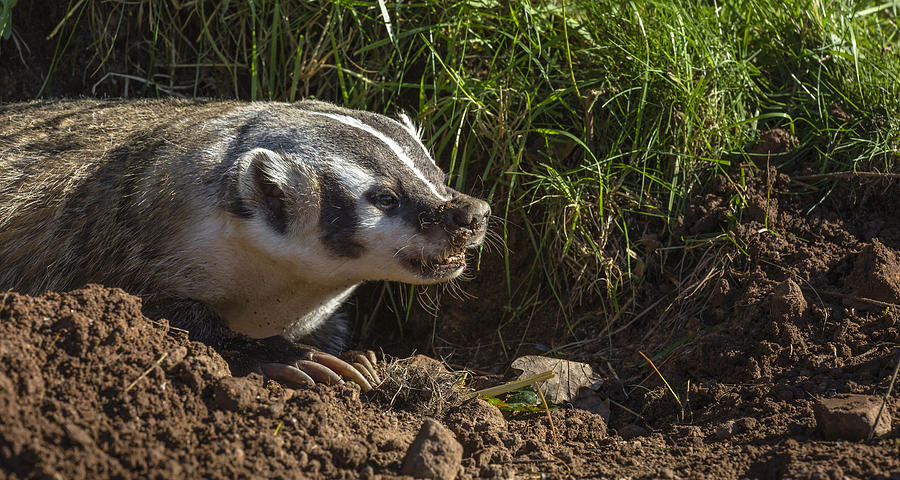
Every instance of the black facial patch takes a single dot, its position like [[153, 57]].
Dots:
[[339, 219], [239, 208], [413, 209]]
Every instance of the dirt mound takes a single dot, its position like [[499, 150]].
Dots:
[[806, 309], [91, 388]]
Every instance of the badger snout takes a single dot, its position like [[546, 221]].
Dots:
[[448, 229], [465, 220]]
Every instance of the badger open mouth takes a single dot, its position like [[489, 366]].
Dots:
[[444, 265]]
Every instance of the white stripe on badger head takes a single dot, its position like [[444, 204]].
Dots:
[[387, 141], [407, 124]]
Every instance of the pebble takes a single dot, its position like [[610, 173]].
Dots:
[[850, 417], [435, 453]]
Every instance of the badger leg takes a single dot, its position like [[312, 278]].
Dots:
[[310, 365], [303, 364]]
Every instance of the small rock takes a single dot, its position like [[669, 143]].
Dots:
[[77, 435], [434, 453], [234, 394], [174, 358], [850, 417], [788, 301], [667, 473]]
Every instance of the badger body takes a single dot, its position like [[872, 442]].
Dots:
[[263, 215]]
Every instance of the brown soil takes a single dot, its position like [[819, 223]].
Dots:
[[90, 387]]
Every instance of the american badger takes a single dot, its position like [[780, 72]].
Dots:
[[264, 216]]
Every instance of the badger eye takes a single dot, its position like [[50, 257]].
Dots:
[[385, 200]]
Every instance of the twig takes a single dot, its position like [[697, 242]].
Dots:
[[885, 399], [64, 20], [664, 380], [845, 175], [147, 372], [510, 386], [167, 326], [151, 83], [623, 407], [549, 418], [861, 299]]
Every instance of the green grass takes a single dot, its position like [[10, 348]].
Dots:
[[577, 119]]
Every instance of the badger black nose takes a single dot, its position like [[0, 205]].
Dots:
[[466, 212]]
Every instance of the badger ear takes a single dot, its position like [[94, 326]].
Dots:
[[278, 188]]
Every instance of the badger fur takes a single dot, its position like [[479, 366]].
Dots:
[[264, 216]]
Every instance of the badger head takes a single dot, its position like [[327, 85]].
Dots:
[[347, 196]]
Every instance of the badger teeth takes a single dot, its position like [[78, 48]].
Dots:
[[449, 257]]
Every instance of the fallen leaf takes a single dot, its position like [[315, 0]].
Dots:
[[569, 378]]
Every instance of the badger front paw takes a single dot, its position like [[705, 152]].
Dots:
[[314, 366]]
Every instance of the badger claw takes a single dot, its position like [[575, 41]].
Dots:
[[321, 367], [286, 373], [368, 361], [343, 368], [319, 372]]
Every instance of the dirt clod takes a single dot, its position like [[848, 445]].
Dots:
[[875, 275], [235, 394], [850, 417], [777, 140], [629, 431], [434, 453], [725, 430], [788, 301], [719, 294], [837, 112]]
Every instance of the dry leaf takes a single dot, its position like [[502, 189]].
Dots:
[[569, 378]]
